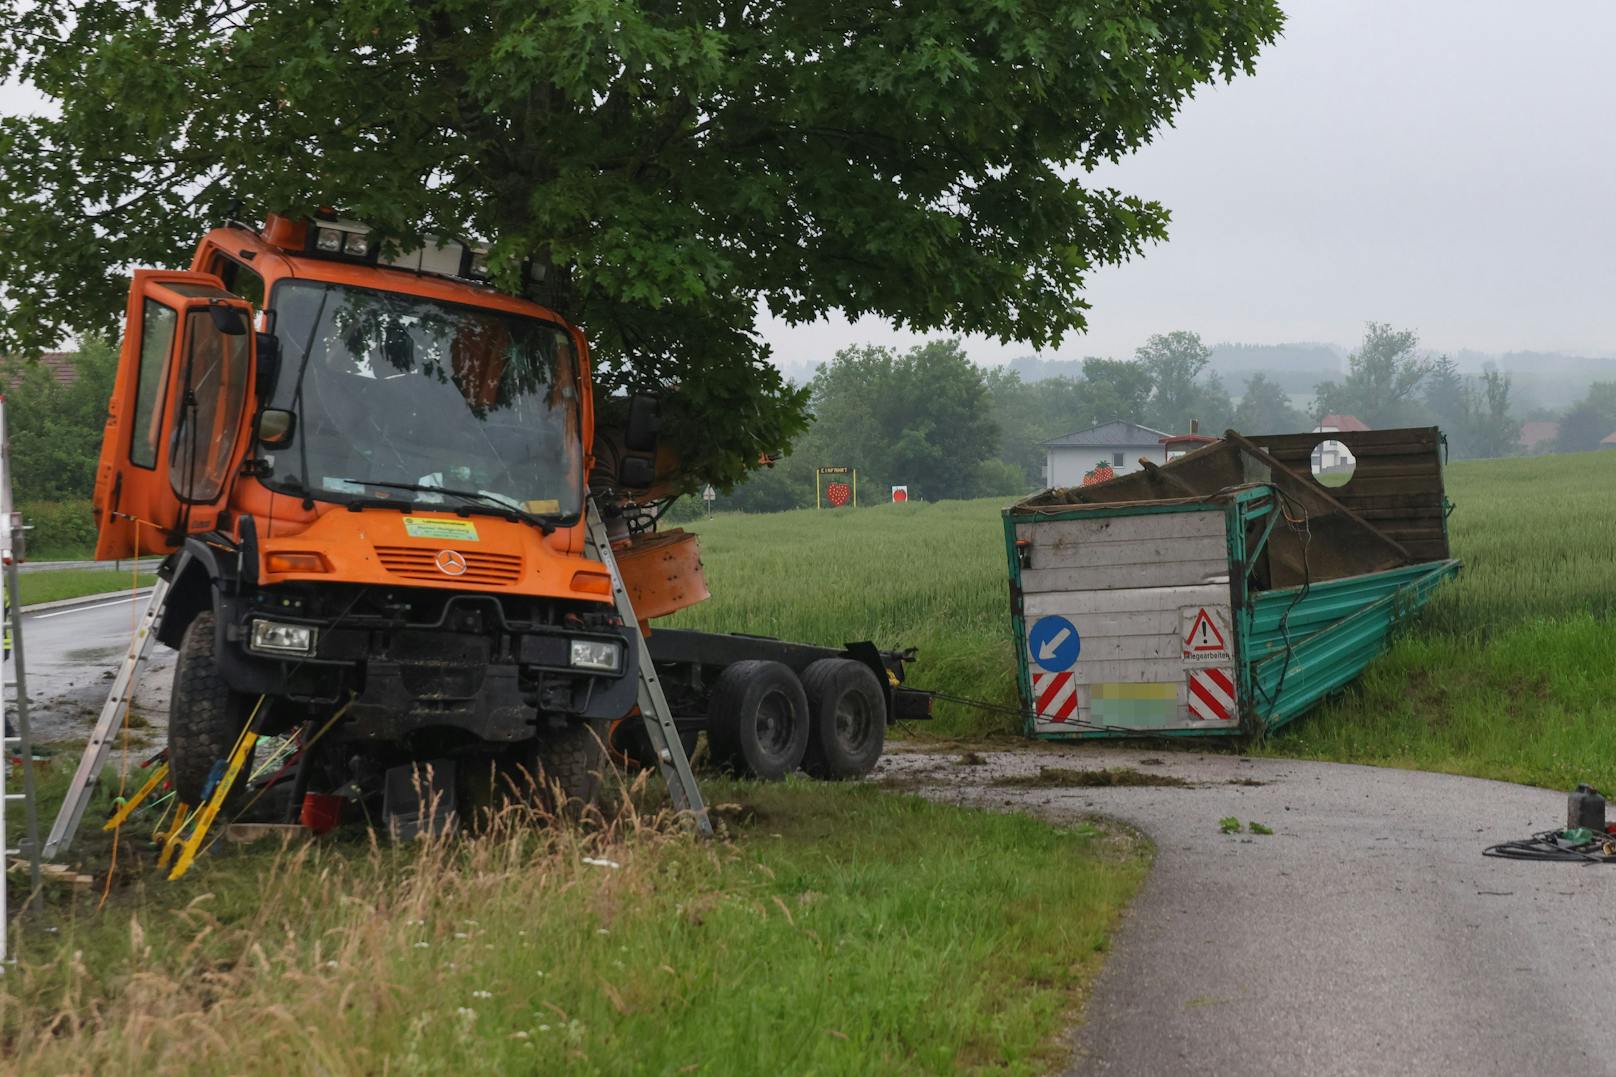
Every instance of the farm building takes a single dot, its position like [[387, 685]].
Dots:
[[1608, 441], [1117, 443], [59, 365], [1538, 436], [1332, 455]]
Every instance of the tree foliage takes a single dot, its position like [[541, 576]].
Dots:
[[921, 418], [1265, 409], [1489, 429], [668, 166], [1174, 360], [55, 430], [1383, 380], [1589, 420]]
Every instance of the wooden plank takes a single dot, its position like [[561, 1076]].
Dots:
[[1165, 525], [1154, 622], [1129, 670], [1106, 578], [1075, 604], [56, 873], [246, 832], [1146, 552], [1161, 645]]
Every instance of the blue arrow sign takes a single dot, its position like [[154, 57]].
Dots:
[[1054, 643]]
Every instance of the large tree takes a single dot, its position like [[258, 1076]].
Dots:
[[922, 418], [1383, 380], [668, 165], [1266, 409], [1175, 360]]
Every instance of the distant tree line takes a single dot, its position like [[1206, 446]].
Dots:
[[931, 419]]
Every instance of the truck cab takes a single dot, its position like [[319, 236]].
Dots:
[[367, 469]]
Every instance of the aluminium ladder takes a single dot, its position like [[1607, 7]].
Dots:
[[102, 736], [654, 710]]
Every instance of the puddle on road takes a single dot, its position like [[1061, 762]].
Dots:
[[95, 655]]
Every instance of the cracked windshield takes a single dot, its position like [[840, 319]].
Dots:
[[398, 396]]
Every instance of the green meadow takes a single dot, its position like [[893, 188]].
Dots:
[[1507, 674]]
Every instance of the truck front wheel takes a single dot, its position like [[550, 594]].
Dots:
[[572, 759], [849, 719], [758, 720], [204, 716]]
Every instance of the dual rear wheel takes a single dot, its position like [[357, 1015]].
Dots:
[[765, 723]]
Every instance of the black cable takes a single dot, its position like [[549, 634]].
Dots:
[[1551, 847], [1305, 530]]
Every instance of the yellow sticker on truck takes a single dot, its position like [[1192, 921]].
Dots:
[[435, 527]]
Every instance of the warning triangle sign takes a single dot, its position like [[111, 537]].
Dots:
[[1203, 635]]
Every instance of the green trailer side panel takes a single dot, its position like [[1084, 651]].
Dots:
[[1330, 634]]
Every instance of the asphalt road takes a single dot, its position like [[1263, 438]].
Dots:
[[1368, 935], [72, 655]]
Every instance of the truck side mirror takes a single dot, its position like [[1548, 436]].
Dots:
[[275, 427], [268, 349], [227, 320], [636, 473], [642, 424]]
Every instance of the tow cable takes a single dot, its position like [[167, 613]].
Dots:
[[1585, 839]]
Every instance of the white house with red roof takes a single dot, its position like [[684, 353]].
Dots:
[[1331, 455]]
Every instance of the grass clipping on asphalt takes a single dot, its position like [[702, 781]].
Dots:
[[837, 928]]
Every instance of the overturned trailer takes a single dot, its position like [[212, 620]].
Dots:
[[1224, 592]]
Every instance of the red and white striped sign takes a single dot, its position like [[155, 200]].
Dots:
[[1211, 695], [1055, 695]]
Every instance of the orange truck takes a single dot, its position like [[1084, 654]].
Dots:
[[368, 470]]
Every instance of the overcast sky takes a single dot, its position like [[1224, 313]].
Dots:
[[1445, 165]]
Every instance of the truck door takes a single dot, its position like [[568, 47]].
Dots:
[[175, 424]]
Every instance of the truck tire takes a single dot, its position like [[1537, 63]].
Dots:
[[204, 716], [758, 720], [573, 758], [848, 712]]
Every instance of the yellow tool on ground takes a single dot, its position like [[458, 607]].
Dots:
[[170, 838], [121, 816], [210, 810]]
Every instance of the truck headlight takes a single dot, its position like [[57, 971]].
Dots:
[[275, 637], [602, 655]]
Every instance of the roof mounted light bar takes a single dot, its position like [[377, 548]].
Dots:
[[351, 241]]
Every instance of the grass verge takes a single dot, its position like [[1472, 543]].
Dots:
[[841, 929], [56, 584]]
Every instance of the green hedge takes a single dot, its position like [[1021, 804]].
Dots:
[[61, 529]]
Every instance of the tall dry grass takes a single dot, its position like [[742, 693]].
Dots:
[[355, 957]]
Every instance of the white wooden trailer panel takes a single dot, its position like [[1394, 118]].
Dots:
[[1147, 598]]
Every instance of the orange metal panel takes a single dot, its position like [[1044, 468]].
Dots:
[[662, 573], [375, 546]]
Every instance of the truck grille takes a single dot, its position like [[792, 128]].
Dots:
[[482, 569]]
